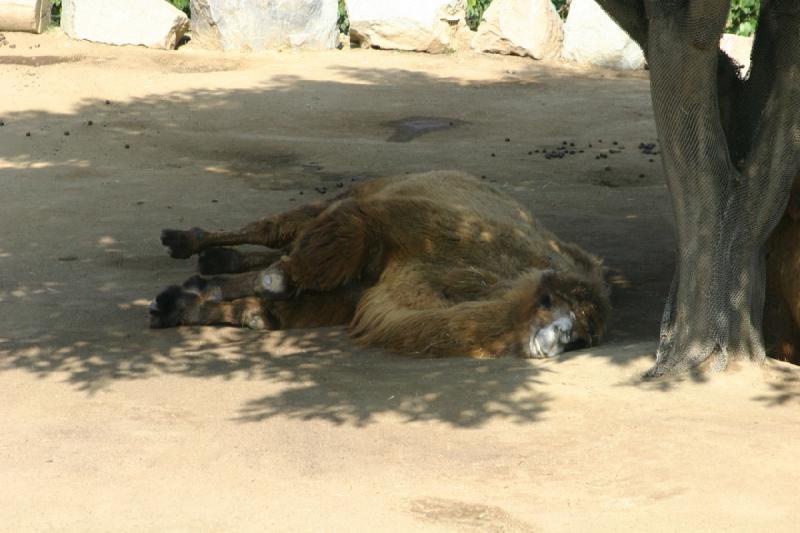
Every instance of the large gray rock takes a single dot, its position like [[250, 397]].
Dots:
[[255, 25], [520, 27], [433, 26], [153, 23], [592, 37], [25, 15]]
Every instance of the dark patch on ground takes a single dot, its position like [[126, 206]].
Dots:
[[407, 129], [39, 61]]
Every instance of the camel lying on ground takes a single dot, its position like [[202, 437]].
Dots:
[[434, 264]]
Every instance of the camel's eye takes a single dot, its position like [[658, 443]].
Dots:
[[546, 301]]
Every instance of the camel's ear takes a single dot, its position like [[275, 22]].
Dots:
[[793, 209]]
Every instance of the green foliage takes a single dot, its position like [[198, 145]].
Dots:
[[562, 7], [183, 5], [475, 9], [55, 12], [343, 23], [743, 17]]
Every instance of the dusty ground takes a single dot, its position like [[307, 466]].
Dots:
[[108, 426]]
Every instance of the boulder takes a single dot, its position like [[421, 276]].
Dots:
[[737, 48], [25, 15], [592, 37], [433, 26], [255, 25], [520, 27], [152, 23]]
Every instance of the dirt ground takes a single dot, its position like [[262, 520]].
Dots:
[[109, 426]]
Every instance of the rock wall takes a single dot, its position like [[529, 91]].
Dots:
[[433, 26], [255, 25], [152, 23], [520, 27], [592, 37], [24, 15]]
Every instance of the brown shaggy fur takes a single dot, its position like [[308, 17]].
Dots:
[[435, 264]]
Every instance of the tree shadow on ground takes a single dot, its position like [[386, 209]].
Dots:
[[82, 258]]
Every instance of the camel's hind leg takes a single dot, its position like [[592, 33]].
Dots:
[[176, 306], [343, 245], [222, 260], [267, 282], [276, 231]]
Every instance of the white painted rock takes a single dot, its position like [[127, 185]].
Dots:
[[433, 26], [592, 37], [520, 27], [737, 48], [25, 15], [255, 25], [152, 23]]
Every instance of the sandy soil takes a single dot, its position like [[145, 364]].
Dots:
[[108, 426]]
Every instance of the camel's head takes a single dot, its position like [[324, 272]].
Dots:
[[570, 312]]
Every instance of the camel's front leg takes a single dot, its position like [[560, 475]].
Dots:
[[723, 212]]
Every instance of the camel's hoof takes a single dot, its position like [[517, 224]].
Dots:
[[168, 308], [181, 244]]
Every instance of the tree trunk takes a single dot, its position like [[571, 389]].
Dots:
[[730, 150]]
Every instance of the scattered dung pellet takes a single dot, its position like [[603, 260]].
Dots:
[[599, 140], [127, 146], [651, 160], [90, 123], [291, 199], [597, 157], [641, 175], [508, 140], [572, 152], [607, 169], [66, 134], [321, 190], [339, 184], [452, 123], [301, 193], [108, 102], [27, 134], [169, 207], [483, 177], [572, 144], [614, 143], [590, 145], [140, 202], [493, 154], [2, 123], [214, 200], [564, 143], [530, 153], [580, 151], [536, 151]]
